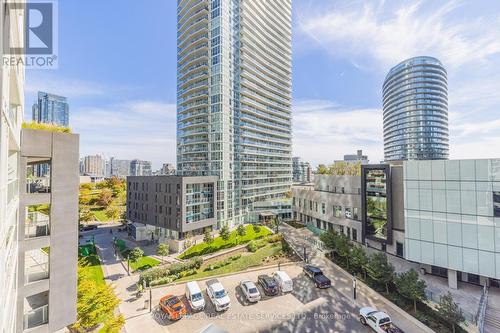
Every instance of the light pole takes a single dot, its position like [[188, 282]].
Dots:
[[305, 255], [354, 283], [128, 264]]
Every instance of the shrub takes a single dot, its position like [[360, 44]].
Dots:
[[252, 246], [235, 257], [173, 271], [136, 254], [275, 238], [256, 228]]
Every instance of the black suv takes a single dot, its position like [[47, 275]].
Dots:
[[268, 284], [319, 279]]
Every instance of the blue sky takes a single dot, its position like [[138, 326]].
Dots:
[[117, 66]]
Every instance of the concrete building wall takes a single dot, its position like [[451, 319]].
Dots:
[[63, 151]]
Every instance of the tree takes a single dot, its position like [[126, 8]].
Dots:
[[135, 254], [95, 301], [105, 197], [241, 231], [359, 259], [411, 287], [224, 233], [256, 228], [84, 197], [114, 324], [85, 215], [450, 310], [322, 169], [162, 250], [380, 269], [208, 238], [112, 212], [343, 247]]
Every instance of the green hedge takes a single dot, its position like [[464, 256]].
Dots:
[[161, 274]]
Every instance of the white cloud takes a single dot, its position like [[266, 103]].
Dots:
[[133, 129], [391, 34], [324, 131], [60, 86]]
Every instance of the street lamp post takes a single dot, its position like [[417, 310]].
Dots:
[[354, 283], [128, 264], [305, 255]]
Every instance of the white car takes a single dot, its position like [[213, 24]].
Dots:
[[284, 281], [250, 291], [378, 321], [218, 295], [194, 296]]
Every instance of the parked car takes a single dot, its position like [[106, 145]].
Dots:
[[378, 321], [250, 291], [319, 279], [268, 284], [194, 296], [218, 295], [173, 307], [88, 228], [284, 282]]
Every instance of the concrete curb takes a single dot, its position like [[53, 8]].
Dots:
[[393, 306], [289, 263]]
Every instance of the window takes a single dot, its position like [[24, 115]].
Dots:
[[310, 205], [348, 232], [348, 212], [496, 204], [323, 208], [354, 234], [315, 206], [337, 210], [399, 249]]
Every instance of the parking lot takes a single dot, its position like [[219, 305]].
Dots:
[[306, 309]]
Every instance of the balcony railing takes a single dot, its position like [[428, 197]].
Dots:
[[36, 317], [36, 265], [36, 225]]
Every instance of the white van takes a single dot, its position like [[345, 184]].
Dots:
[[284, 281], [194, 296]]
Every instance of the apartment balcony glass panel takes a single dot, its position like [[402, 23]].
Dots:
[[36, 310], [36, 263], [38, 175], [37, 222]]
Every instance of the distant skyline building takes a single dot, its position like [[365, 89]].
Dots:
[[415, 102], [51, 109], [301, 171], [119, 168], [167, 169], [93, 165], [358, 157], [234, 85], [140, 168]]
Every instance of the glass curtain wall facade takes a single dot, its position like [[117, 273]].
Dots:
[[52, 109], [234, 99], [415, 101], [451, 219]]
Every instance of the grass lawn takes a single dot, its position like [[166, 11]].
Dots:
[[92, 268], [143, 263], [219, 244], [99, 214], [244, 262]]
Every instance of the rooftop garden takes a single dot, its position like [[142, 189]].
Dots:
[[46, 127]]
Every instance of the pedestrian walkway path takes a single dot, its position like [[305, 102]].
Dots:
[[342, 281]]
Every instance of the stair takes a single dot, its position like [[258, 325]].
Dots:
[[492, 318]]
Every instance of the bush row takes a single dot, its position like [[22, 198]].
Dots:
[[173, 271], [222, 263]]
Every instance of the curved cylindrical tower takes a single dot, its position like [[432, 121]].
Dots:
[[415, 99]]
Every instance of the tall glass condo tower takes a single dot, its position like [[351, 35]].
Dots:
[[415, 97], [234, 82]]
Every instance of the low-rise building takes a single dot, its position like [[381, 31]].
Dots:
[[171, 206], [443, 215]]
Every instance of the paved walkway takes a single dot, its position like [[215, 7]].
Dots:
[[343, 282]]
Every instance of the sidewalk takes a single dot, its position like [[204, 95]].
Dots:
[[342, 281]]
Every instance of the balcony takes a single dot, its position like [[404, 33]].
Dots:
[[36, 310], [37, 223], [38, 175], [36, 265]]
